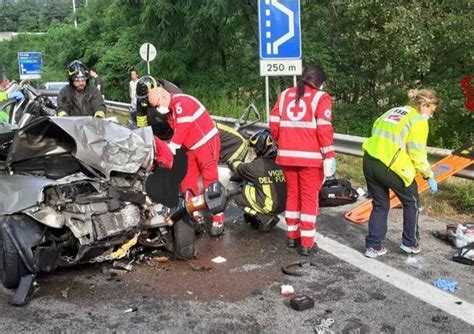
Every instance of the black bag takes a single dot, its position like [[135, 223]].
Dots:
[[337, 192]]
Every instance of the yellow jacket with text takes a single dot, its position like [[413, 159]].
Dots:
[[399, 141]]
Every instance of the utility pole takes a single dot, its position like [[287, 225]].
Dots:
[[74, 10]]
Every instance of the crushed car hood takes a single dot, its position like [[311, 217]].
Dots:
[[18, 192], [103, 145]]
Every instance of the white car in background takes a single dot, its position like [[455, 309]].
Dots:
[[53, 87]]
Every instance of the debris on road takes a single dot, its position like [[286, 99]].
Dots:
[[219, 259], [64, 293], [301, 303], [292, 270], [416, 262], [465, 255], [123, 264], [445, 285], [200, 268], [323, 327], [287, 290], [131, 309]]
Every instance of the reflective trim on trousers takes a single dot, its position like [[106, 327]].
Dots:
[[308, 233], [292, 214], [308, 218], [292, 228]]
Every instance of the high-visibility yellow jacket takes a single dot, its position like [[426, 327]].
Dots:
[[3, 96], [399, 141]]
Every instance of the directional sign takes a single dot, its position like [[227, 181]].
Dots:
[[29, 65], [280, 37], [148, 52]]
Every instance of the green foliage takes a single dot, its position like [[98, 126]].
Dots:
[[373, 52]]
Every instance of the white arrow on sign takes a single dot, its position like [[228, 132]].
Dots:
[[148, 52]]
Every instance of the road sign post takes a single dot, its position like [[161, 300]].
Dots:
[[148, 54], [280, 40], [30, 65]]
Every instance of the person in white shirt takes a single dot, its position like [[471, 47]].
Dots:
[[132, 88]]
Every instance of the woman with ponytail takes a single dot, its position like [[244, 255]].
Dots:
[[300, 123]]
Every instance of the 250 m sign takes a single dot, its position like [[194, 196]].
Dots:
[[273, 67]]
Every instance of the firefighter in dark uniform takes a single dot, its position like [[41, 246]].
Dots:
[[233, 145], [263, 194]]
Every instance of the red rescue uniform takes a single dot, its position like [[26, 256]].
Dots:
[[305, 137], [196, 132]]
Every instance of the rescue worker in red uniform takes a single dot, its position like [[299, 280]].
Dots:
[[193, 129], [300, 123]]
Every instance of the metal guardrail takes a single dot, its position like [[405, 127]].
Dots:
[[345, 144]]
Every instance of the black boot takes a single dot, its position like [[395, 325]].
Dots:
[[292, 243], [267, 225], [307, 251]]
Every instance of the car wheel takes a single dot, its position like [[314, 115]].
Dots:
[[12, 268], [184, 238]]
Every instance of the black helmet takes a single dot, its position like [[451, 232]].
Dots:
[[77, 70], [263, 143], [144, 85]]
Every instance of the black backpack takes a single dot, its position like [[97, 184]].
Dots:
[[335, 192]]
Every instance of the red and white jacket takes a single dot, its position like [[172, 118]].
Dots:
[[191, 122], [303, 131]]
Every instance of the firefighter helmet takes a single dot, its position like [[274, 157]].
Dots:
[[76, 70], [263, 143], [144, 85]]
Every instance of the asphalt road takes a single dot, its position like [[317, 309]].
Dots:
[[243, 293]]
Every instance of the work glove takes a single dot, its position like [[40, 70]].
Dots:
[[329, 167], [16, 95], [62, 113], [433, 185], [99, 114]]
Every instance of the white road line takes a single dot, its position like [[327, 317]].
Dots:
[[409, 284]]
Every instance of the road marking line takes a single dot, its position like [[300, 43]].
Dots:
[[407, 283]]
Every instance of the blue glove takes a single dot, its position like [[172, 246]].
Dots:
[[445, 285], [16, 95], [433, 185]]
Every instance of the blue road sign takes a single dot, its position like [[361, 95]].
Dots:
[[30, 65], [279, 29]]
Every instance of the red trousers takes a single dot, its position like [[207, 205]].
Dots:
[[202, 162], [302, 202]]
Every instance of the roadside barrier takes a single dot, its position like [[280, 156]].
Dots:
[[345, 144]]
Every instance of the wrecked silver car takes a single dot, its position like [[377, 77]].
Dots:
[[73, 190]]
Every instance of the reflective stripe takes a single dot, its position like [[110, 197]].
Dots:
[[251, 196], [308, 218], [282, 101], [268, 206], [294, 94], [292, 228], [275, 119], [297, 124], [308, 233], [190, 119], [415, 146], [250, 211], [327, 149], [204, 139], [320, 121], [299, 154], [292, 214], [397, 139], [315, 101]]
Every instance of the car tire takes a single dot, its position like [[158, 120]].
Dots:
[[12, 268], [184, 238]]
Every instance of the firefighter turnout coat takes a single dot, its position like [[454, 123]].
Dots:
[[265, 187]]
